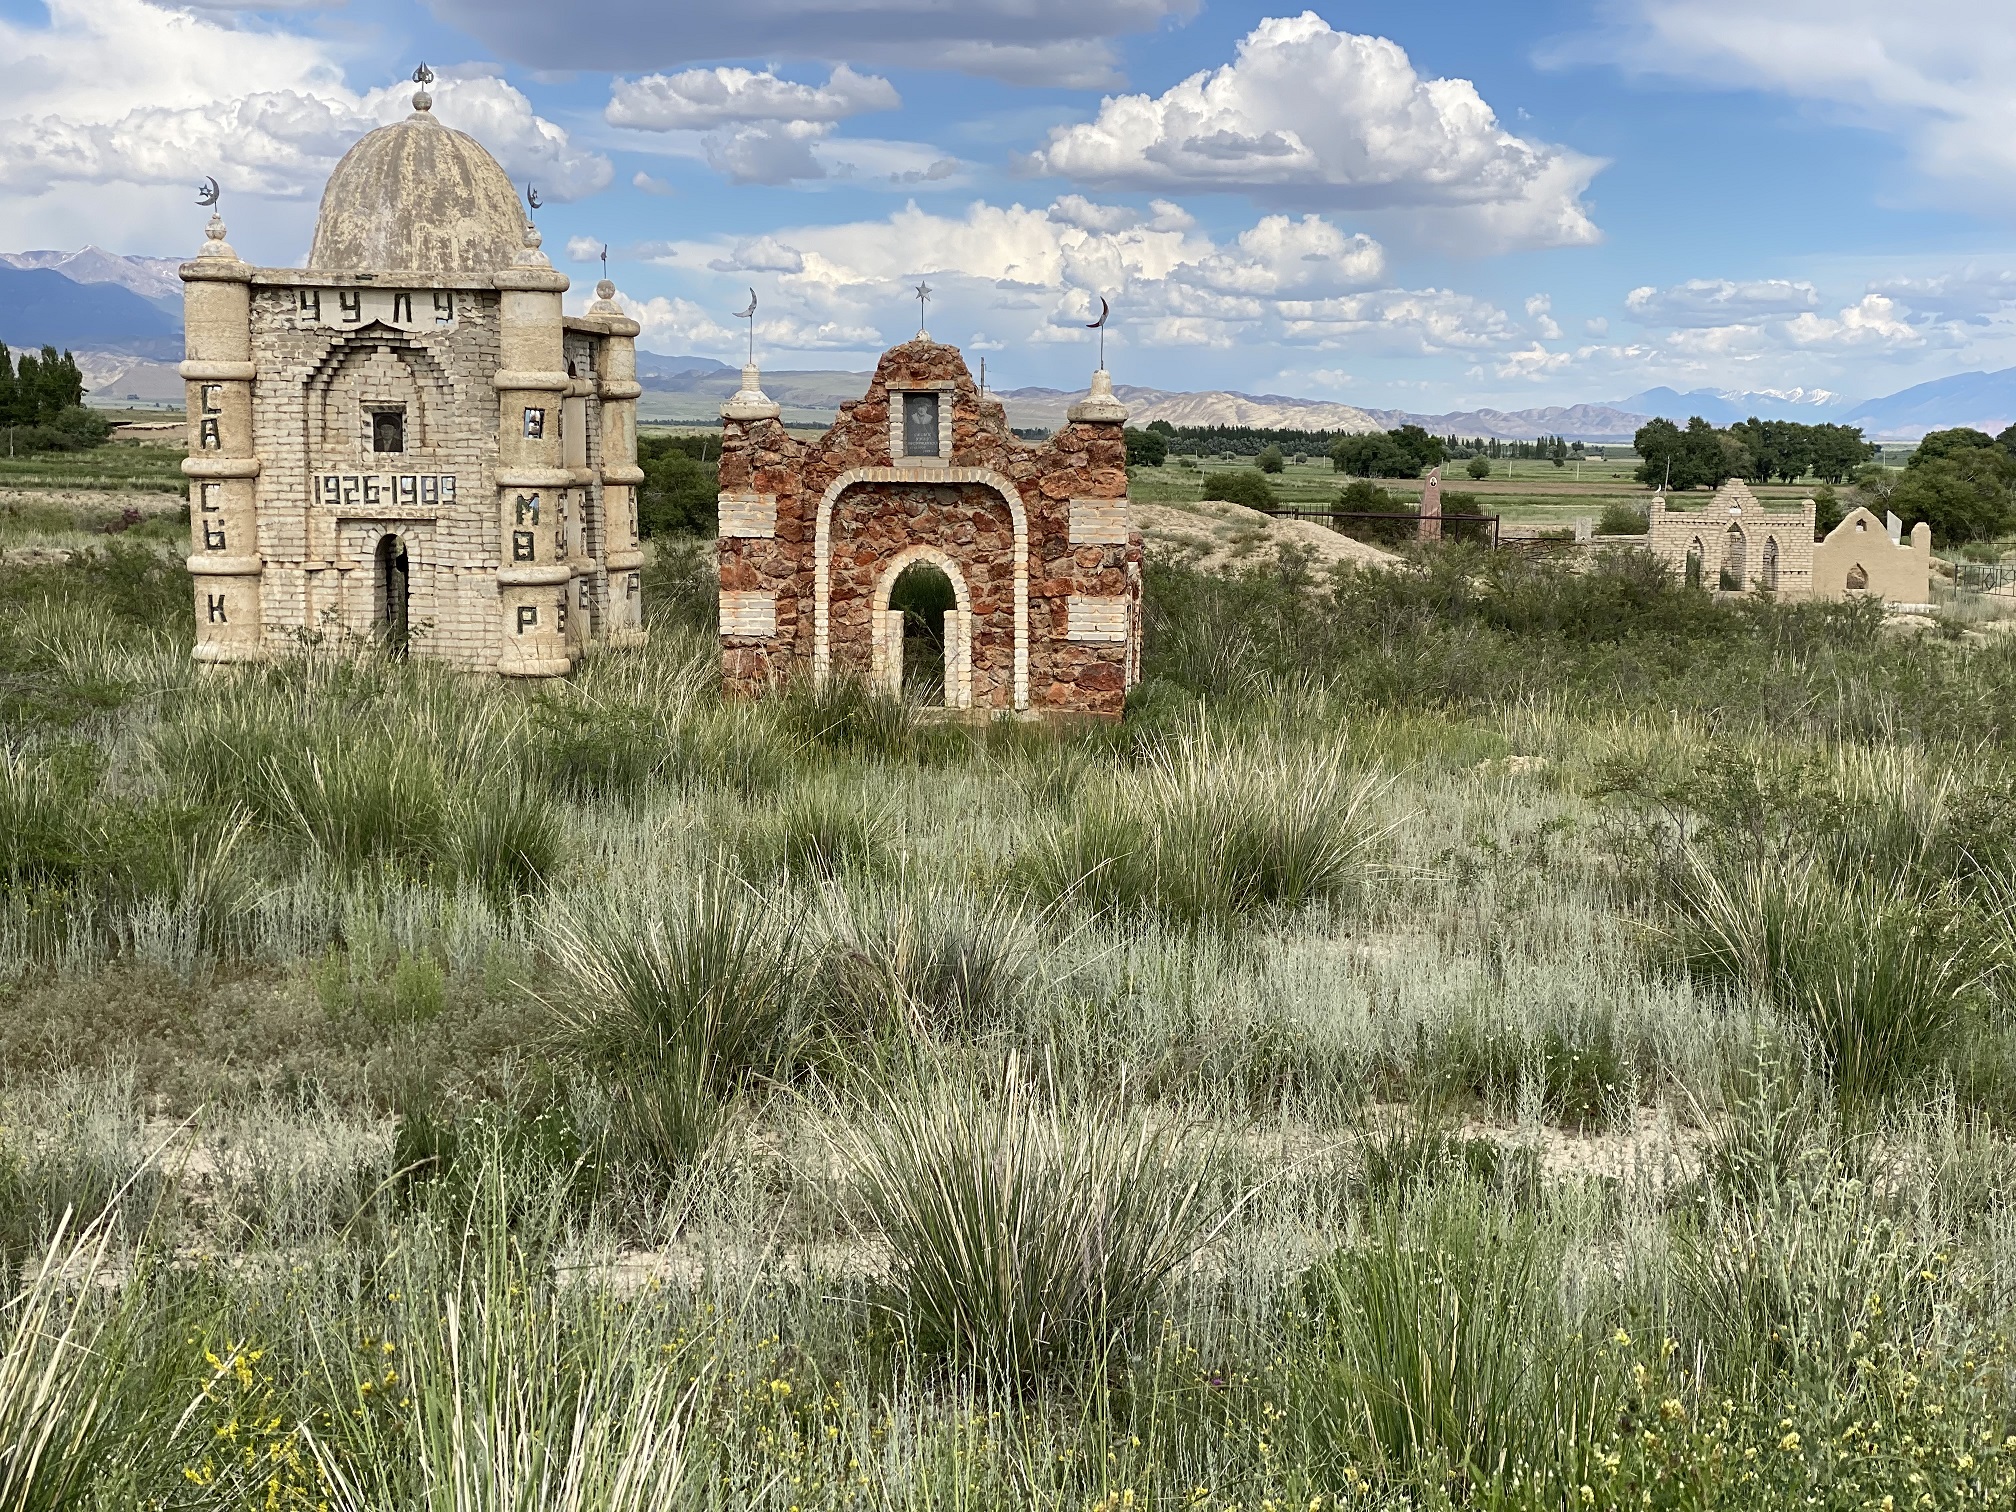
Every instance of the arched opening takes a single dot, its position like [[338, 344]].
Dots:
[[921, 629], [1771, 563], [1735, 550], [1694, 556], [924, 596], [1858, 579], [393, 595]]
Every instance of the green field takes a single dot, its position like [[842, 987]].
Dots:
[[150, 467], [1476, 1035]]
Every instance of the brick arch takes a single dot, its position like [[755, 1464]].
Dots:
[[958, 635], [935, 477], [885, 580]]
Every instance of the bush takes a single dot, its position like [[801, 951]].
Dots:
[[681, 484], [1269, 461], [1827, 509], [1619, 519], [1025, 1240], [1479, 468], [1377, 455], [1145, 448], [1963, 490], [71, 430], [1242, 487], [1366, 497]]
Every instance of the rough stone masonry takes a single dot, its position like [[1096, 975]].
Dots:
[[1035, 538]]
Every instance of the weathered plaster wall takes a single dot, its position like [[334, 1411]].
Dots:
[[1898, 572]]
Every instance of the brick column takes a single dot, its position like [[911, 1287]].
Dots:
[[623, 552], [534, 575], [222, 466]]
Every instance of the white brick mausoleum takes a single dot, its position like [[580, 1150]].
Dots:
[[406, 441]]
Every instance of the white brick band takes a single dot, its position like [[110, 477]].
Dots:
[[1098, 522], [749, 516], [752, 614], [1102, 619]]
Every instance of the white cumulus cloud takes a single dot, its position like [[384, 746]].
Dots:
[[1028, 275], [1873, 321], [1306, 115], [704, 97], [1540, 310], [130, 92]]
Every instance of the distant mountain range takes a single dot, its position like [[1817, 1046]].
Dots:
[[41, 307], [123, 318], [152, 278]]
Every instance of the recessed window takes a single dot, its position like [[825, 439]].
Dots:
[[388, 430], [920, 425]]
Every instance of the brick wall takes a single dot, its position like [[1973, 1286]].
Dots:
[[1076, 546]]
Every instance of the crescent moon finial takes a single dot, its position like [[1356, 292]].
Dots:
[[1105, 309], [207, 192]]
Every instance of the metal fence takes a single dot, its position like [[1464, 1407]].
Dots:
[[1983, 577], [1400, 527]]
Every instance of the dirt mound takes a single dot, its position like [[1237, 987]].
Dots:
[[1222, 537]]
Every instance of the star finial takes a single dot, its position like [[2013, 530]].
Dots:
[[923, 298]]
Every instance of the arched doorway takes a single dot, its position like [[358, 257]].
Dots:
[[923, 625], [1735, 558], [923, 595], [1770, 577], [1694, 555], [394, 594]]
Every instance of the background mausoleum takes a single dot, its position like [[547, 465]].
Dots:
[[407, 440]]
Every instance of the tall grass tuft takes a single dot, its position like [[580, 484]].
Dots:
[[1211, 830], [680, 1011], [1445, 1348], [503, 837], [819, 830], [1025, 1239], [943, 964], [55, 1376], [1881, 984], [515, 1394]]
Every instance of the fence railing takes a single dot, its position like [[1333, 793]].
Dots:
[[1983, 577], [1405, 527]]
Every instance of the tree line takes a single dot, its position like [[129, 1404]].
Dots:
[[1960, 482], [42, 403], [1758, 451]]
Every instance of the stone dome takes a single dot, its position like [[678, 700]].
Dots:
[[418, 197]]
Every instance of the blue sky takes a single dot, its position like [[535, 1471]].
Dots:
[[1419, 206]]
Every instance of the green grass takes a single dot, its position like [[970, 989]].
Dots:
[[1471, 1033], [115, 466]]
